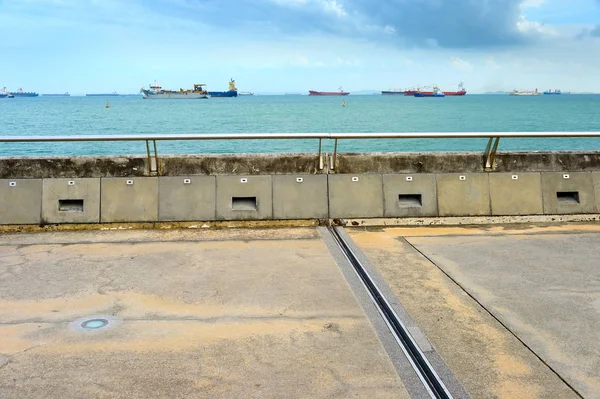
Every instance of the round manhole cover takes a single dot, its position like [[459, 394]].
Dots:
[[94, 323]]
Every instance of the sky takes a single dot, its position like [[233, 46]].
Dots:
[[276, 46]]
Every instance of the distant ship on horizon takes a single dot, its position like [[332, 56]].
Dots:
[[524, 93], [157, 92], [341, 92], [411, 92], [113, 94], [22, 93], [66, 94], [232, 92]]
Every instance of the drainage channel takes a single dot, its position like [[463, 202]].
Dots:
[[428, 376]]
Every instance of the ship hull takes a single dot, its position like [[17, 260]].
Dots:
[[18, 94], [423, 94], [455, 93], [174, 96], [57, 95], [229, 93], [391, 93], [3, 95], [328, 93], [524, 94], [103, 95]]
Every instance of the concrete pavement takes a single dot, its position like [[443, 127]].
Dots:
[[253, 313], [483, 355], [512, 311]]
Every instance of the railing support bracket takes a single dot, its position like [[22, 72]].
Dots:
[[490, 152]]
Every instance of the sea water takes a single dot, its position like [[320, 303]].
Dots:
[[81, 116]]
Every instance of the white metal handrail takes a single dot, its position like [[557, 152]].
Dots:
[[489, 155]]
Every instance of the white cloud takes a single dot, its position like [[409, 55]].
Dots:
[[532, 3], [460, 64], [332, 6], [490, 62], [526, 26], [328, 6]]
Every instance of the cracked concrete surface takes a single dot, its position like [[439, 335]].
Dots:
[[265, 314]]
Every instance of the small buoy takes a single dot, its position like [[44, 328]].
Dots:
[[107, 105], [343, 103]]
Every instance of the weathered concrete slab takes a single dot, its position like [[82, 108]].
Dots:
[[568, 193], [463, 194], [255, 317], [516, 193], [355, 196], [407, 195], [21, 201], [186, 198], [300, 197], [486, 358], [544, 288], [129, 199], [71, 200], [596, 183], [244, 197], [303, 163]]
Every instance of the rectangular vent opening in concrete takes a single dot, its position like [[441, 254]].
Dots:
[[571, 197], [243, 203], [409, 200], [70, 205]]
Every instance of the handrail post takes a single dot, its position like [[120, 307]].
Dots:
[[320, 157], [157, 168], [490, 152], [334, 156], [152, 161]]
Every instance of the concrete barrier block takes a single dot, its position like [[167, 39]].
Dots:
[[300, 197], [408, 195], [129, 199], [20, 201], [355, 196], [466, 194], [516, 194], [244, 198], [568, 193], [71, 201], [186, 198], [596, 182]]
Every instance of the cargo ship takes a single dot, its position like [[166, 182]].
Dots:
[[392, 92], [555, 92], [524, 93], [22, 93], [57, 95], [341, 92], [157, 92], [435, 93], [4, 93], [246, 93], [460, 92], [232, 92], [113, 94]]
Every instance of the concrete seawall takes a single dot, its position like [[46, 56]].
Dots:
[[295, 186]]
